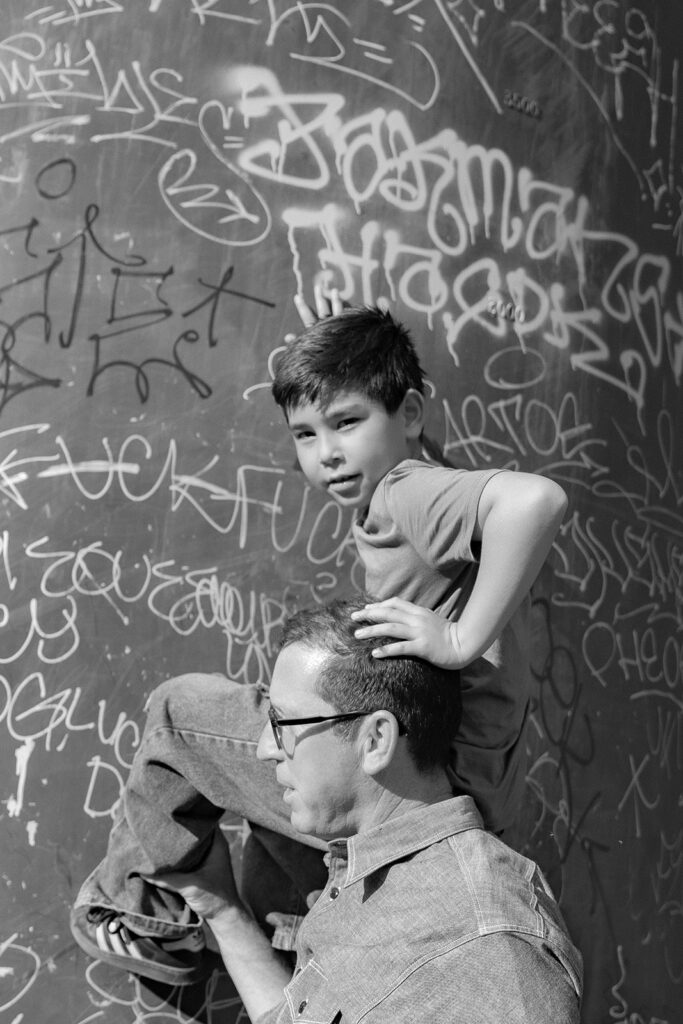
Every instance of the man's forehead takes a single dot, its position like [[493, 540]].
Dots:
[[296, 671]]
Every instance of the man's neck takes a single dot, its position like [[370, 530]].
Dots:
[[399, 796]]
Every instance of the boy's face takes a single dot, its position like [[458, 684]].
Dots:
[[347, 447]]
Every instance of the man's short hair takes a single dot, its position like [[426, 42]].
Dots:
[[360, 349], [424, 699]]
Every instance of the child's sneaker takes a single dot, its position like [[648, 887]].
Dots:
[[102, 934]]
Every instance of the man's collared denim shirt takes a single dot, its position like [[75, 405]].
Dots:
[[393, 936]]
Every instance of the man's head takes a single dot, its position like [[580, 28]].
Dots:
[[405, 714], [351, 388]]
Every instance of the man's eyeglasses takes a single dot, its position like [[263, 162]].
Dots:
[[277, 723]]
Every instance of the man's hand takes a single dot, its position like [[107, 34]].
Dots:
[[420, 632], [209, 889], [257, 971]]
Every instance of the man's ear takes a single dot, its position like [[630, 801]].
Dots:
[[413, 411], [379, 739]]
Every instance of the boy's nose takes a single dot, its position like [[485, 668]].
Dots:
[[329, 452]]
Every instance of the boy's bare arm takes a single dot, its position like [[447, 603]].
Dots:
[[518, 517]]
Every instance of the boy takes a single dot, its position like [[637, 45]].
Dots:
[[449, 557]]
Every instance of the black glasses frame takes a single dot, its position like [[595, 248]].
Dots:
[[276, 723]]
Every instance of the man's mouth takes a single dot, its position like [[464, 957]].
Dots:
[[286, 788]]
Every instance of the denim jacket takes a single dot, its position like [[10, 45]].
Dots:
[[417, 915]]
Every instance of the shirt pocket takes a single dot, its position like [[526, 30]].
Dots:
[[310, 999]]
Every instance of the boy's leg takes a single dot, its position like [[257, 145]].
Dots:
[[196, 759]]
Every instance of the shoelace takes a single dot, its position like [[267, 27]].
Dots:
[[192, 941], [99, 915]]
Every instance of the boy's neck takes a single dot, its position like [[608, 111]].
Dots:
[[415, 450]]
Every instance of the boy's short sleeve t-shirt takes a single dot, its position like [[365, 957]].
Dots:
[[416, 542]]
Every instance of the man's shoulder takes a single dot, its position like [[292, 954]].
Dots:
[[474, 877], [466, 982], [438, 857], [424, 912]]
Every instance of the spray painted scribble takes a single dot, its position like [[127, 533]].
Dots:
[[509, 177]]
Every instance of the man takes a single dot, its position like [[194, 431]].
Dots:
[[425, 916]]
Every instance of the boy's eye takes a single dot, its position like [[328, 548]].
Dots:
[[348, 421], [302, 435]]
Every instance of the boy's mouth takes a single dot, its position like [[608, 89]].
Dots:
[[342, 484]]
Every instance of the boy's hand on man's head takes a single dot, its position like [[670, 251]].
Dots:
[[419, 632]]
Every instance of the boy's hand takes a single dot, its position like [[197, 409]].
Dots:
[[324, 307], [420, 632], [210, 888]]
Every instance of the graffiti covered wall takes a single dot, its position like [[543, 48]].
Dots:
[[509, 175]]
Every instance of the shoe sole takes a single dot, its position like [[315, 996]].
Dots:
[[174, 976]]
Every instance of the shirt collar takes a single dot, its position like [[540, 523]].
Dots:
[[400, 837]]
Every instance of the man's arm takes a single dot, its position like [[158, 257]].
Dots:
[[257, 972], [518, 517]]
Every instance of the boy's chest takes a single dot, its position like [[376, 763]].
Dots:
[[394, 568]]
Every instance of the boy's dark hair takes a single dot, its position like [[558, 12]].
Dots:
[[360, 349], [424, 699]]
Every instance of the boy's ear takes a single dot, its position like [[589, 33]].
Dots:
[[413, 412]]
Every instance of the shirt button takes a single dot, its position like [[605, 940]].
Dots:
[[334, 892], [302, 1005]]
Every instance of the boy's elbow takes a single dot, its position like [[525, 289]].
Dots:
[[552, 500], [562, 498], [537, 499]]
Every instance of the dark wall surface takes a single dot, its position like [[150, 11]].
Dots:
[[509, 176]]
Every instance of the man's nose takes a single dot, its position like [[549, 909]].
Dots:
[[266, 748]]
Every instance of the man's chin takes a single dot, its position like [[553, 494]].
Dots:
[[302, 824]]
